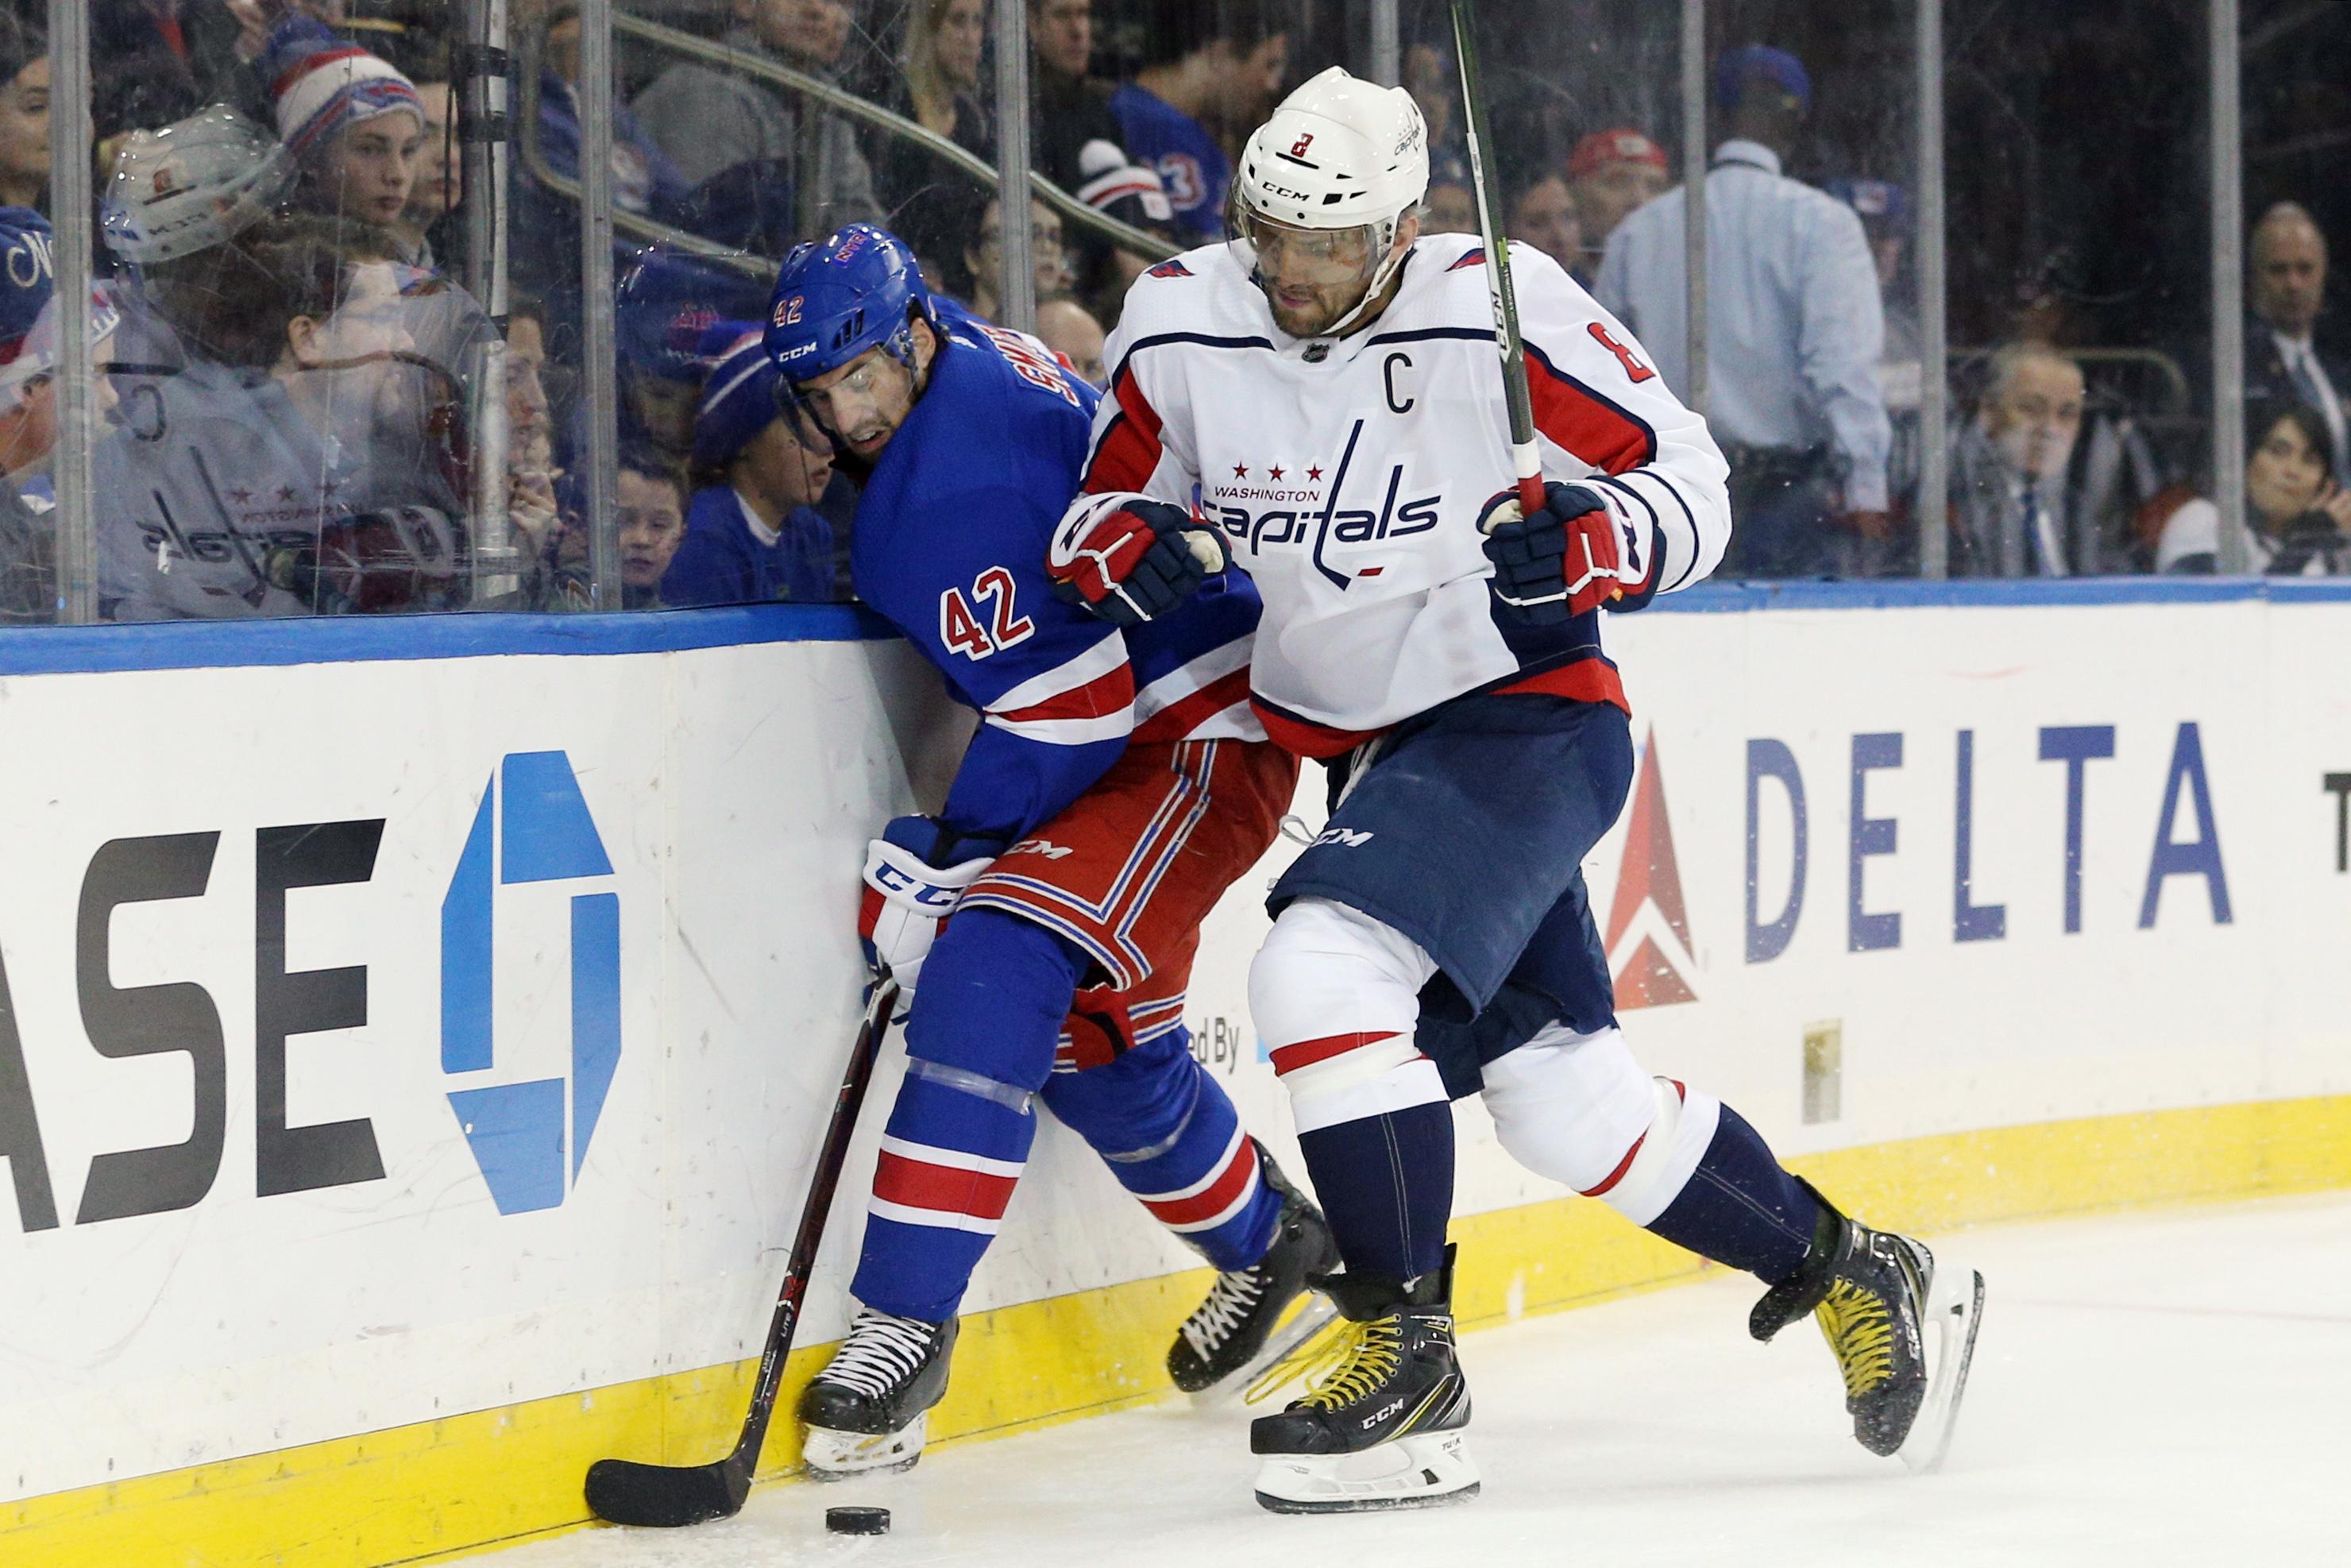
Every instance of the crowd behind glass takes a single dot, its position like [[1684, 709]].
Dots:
[[295, 383]]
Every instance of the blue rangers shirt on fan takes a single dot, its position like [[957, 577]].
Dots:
[[949, 545], [1192, 167]]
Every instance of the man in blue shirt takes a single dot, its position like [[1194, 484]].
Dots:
[[1208, 65], [754, 536]]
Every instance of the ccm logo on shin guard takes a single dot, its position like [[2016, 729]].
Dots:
[[1348, 837]]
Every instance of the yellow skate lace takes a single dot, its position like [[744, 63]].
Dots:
[[1860, 1331], [1341, 1365]]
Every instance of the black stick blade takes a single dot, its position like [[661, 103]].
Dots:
[[665, 1497]]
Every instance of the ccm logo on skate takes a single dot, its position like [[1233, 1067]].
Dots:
[[532, 826]]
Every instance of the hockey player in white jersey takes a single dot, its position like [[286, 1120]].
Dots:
[[1326, 385]]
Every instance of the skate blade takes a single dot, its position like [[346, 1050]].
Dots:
[[841, 1455], [1422, 1470], [1954, 1312], [1287, 1336]]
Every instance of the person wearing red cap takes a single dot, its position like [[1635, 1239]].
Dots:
[[1610, 174]]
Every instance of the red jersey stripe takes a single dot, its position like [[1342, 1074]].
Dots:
[[1129, 448], [1303, 736], [1618, 1174], [1585, 681], [1106, 694], [1180, 717], [1307, 1052], [915, 1184], [1584, 424], [1218, 1196]]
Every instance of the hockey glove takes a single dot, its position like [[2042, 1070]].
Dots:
[[907, 898], [1567, 560], [1136, 562]]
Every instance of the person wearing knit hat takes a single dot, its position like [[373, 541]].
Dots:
[[353, 124], [752, 532], [1610, 174]]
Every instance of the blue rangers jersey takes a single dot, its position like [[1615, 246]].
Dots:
[[949, 545]]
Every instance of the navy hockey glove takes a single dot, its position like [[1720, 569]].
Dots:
[[1135, 563], [1567, 560]]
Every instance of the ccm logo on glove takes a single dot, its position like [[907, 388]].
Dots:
[[1136, 562]]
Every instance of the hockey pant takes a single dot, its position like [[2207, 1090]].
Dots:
[[1336, 994], [986, 1041]]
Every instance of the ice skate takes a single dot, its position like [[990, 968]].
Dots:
[[1238, 1330], [867, 1410], [1903, 1332], [1386, 1427]]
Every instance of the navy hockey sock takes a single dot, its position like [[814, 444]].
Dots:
[[1741, 1208], [1386, 1186]]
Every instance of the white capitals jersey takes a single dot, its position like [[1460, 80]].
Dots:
[[1348, 475]]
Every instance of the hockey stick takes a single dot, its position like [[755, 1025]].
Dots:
[[1526, 460], [627, 1492]]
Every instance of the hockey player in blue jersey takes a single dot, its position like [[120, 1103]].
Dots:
[[1117, 784]]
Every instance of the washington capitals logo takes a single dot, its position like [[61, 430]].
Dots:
[[1648, 916]]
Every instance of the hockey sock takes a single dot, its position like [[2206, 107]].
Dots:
[[979, 1044], [1171, 1138], [1336, 995], [1741, 1208], [1396, 1173]]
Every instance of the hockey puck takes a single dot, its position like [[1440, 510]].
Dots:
[[857, 1520]]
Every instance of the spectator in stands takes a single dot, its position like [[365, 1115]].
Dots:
[[667, 302], [751, 534], [156, 62], [650, 512], [1431, 76], [440, 180], [28, 409], [533, 509], [1543, 214], [1612, 173], [709, 120], [1794, 329], [212, 502], [1209, 68], [2283, 364], [2298, 518], [982, 263], [939, 89], [1070, 330], [1451, 205], [24, 114], [353, 125], [2013, 513], [1075, 141]]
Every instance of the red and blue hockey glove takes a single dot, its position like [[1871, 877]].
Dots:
[[1135, 563], [1567, 560], [907, 898]]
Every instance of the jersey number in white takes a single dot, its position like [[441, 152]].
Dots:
[[964, 633]]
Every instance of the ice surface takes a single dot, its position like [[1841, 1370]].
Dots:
[[2164, 1388]]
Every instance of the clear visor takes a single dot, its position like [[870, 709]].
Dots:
[[1283, 257]]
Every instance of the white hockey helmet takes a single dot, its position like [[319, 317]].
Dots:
[[190, 185], [1339, 153]]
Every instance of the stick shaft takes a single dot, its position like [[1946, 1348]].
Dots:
[[1526, 460], [824, 1184]]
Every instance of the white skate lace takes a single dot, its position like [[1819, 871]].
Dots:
[[1230, 1300], [881, 1352]]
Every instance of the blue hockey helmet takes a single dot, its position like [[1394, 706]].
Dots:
[[860, 289]]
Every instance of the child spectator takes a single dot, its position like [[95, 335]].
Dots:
[[651, 514], [24, 113], [752, 534], [1543, 215], [1611, 174], [354, 125]]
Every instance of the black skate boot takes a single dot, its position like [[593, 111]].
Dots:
[[1231, 1332], [866, 1411], [1385, 1428], [1902, 1331]]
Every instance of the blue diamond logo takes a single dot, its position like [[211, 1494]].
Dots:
[[533, 826]]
